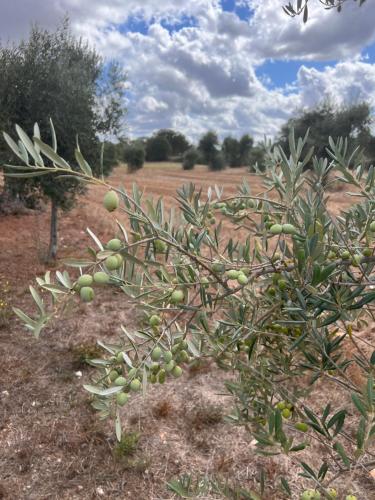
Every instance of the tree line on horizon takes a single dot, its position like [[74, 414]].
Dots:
[[353, 122]]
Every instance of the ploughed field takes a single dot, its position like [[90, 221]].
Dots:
[[52, 444]]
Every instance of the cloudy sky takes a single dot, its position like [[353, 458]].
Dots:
[[234, 66]]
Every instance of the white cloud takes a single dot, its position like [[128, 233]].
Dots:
[[204, 76]]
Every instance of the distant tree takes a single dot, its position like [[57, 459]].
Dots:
[[134, 156], [157, 149], [301, 7], [231, 151], [208, 146], [217, 161], [190, 159], [236, 152], [246, 144], [177, 141], [256, 157], [53, 75], [352, 122]]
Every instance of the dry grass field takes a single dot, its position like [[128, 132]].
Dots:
[[52, 446]]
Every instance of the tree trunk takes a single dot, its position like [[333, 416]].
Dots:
[[52, 252]]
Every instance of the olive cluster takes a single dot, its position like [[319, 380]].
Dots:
[[113, 262]]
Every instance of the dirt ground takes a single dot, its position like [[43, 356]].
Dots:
[[52, 445]]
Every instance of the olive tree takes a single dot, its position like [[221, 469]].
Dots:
[[53, 75], [279, 303]]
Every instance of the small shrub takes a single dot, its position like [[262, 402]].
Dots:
[[134, 155], [190, 159], [217, 162], [205, 416], [127, 446]]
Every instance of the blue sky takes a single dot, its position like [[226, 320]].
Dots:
[[235, 66]]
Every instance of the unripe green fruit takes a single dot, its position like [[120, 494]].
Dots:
[[85, 280], [232, 274], [101, 278], [269, 224], [175, 348], [345, 254], [301, 426], [372, 226], [114, 245], [282, 284], [111, 201], [113, 374], [169, 366], [112, 263], [177, 297], [367, 252], [281, 405], [289, 229], [167, 356], [160, 246], [119, 357], [155, 367], [135, 385], [122, 398], [153, 378], [286, 413], [183, 357], [120, 259], [350, 497], [155, 320], [161, 376], [272, 291], [332, 255], [132, 372], [205, 282], [332, 493], [356, 260], [177, 371], [242, 279], [184, 344], [87, 294], [156, 354], [217, 267], [276, 229], [310, 495], [120, 381]]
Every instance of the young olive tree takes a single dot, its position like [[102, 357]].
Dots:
[[53, 74], [280, 305]]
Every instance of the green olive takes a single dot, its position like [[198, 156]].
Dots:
[[122, 398], [101, 278], [289, 229], [276, 229], [120, 381], [87, 294], [177, 297], [135, 385], [114, 245], [85, 280], [111, 201]]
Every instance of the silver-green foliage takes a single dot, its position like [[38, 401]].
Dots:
[[278, 302]]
